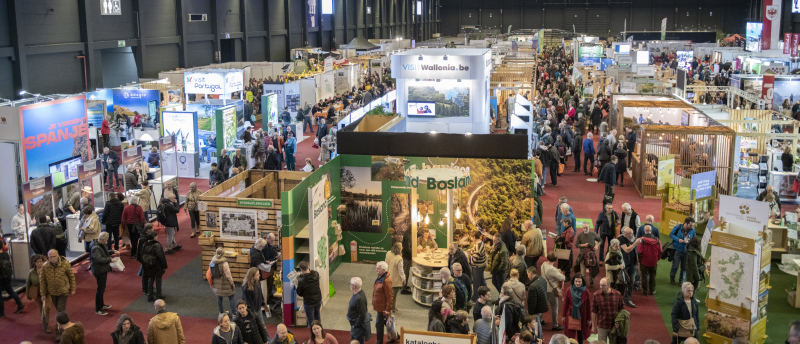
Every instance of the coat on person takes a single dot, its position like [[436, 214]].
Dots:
[[693, 263], [499, 259], [252, 327], [236, 339], [165, 328], [171, 211], [650, 250], [131, 180], [43, 238], [112, 213], [537, 296], [608, 175], [101, 259], [680, 311], [585, 310], [308, 287], [136, 336], [622, 157], [382, 294], [290, 339], [461, 258], [153, 247], [222, 286], [57, 279], [604, 227], [622, 326]]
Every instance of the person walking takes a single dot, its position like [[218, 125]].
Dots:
[[456, 255], [680, 235], [608, 177], [112, 218], [694, 261], [499, 262], [621, 167], [650, 252], [532, 239], [435, 318], [517, 262], [606, 223], [628, 243], [477, 262], [224, 164], [111, 166], [588, 154], [133, 218], [577, 314], [127, 332], [604, 153], [56, 281], [226, 332], [511, 309], [89, 230], [105, 130], [394, 261], [308, 289], [171, 209], [165, 327], [251, 292], [685, 316], [101, 266], [406, 254], [251, 326], [220, 280], [290, 147], [536, 300], [360, 329], [630, 144], [555, 279], [272, 163], [5, 279], [614, 267], [587, 241], [606, 302], [190, 208], [73, 333], [32, 290], [577, 145], [382, 298], [154, 264]]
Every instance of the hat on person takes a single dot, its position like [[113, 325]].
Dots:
[[86, 189]]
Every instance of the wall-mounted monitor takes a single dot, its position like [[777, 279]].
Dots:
[[623, 49], [65, 171], [421, 109], [753, 37]]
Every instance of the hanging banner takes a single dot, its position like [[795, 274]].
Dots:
[[748, 213], [663, 29], [770, 34], [795, 42], [131, 154], [318, 232], [787, 43], [767, 88], [311, 13], [53, 131], [666, 171], [89, 169]]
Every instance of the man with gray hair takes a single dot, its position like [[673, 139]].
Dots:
[[382, 297], [101, 266], [648, 220], [559, 338], [517, 261], [532, 239], [564, 212], [460, 276], [457, 255], [357, 313], [483, 326], [629, 217]]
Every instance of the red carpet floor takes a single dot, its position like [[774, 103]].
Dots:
[[123, 288]]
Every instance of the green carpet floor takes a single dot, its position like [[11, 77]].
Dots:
[[780, 313]]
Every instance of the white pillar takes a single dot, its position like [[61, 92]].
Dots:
[[450, 217]]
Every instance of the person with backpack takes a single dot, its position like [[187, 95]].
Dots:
[[154, 263], [514, 312], [220, 280], [290, 147], [43, 237], [695, 267], [6, 270], [680, 235], [168, 217]]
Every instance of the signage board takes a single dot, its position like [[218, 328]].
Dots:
[[37, 187], [254, 203], [53, 131], [767, 89], [747, 213], [217, 82], [89, 169], [703, 183], [436, 67], [131, 155], [111, 8]]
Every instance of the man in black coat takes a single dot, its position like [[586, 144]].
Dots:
[[406, 253], [225, 164], [608, 176], [630, 145], [537, 296], [112, 218], [251, 326], [577, 146], [101, 266], [360, 328], [154, 268], [110, 166], [456, 255], [171, 209], [308, 289], [553, 161], [606, 223], [43, 237], [272, 163], [215, 176]]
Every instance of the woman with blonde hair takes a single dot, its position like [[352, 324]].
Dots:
[[251, 291], [220, 280], [192, 199]]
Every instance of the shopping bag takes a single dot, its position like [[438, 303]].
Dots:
[[391, 329], [560, 168], [117, 265], [796, 186], [316, 143]]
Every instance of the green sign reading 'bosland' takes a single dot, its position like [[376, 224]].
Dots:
[[254, 203]]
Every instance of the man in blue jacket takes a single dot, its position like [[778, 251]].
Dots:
[[588, 154], [564, 212], [680, 235]]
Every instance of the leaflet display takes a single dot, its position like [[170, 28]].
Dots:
[[422, 109]]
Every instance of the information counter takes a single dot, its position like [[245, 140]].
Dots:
[[425, 280]]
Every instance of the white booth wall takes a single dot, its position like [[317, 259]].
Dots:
[[407, 71]]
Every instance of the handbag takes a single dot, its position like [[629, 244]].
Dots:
[[391, 329], [685, 328], [117, 265], [573, 324], [556, 289], [560, 168], [796, 186]]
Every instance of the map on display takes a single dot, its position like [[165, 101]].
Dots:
[[238, 224], [731, 277]]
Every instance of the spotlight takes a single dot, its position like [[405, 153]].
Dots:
[[427, 219], [469, 133], [458, 213], [433, 131]]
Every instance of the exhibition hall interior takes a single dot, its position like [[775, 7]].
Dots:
[[423, 171]]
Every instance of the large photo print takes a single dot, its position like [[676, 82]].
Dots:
[[450, 101]]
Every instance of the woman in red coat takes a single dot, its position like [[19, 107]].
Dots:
[[577, 311]]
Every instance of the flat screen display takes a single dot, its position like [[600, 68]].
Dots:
[[685, 59], [643, 57], [795, 6], [753, 37], [422, 109], [623, 49], [65, 172], [419, 8]]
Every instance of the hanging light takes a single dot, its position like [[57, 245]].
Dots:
[[441, 223], [419, 216], [458, 213], [427, 219]]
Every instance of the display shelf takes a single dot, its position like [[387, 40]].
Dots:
[[303, 233], [423, 277], [303, 249], [421, 303]]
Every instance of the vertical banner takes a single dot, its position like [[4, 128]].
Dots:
[[89, 169], [318, 232], [663, 29], [53, 131], [787, 43], [666, 171], [770, 35], [767, 88], [311, 13], [795, 41]]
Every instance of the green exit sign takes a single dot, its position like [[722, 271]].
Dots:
[[121, 43], [254, 203]]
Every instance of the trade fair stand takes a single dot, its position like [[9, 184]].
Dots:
[[37, 195], [124, 102], [184, 127]]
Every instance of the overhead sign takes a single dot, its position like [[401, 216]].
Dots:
[[111, 7], [743, 212], [436, 67], [646, 71], [703, 183], [221, 82], [37, 187]]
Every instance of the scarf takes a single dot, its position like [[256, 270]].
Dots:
[[576, 301]]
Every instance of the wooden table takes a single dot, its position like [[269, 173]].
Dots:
[[418, 281], [324, 113]]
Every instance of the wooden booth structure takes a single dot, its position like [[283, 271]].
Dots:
[[645, 103], [760, 125], [513, 75], [252, 196], [694, 149]]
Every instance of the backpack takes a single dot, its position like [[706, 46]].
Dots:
[[215, 271], [161, 215], [149, 258], [5, 266], [516, 312], [461, 291]]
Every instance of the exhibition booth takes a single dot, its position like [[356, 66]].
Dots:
[[444, 90]]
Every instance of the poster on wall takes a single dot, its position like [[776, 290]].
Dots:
[[362, 198], [753, 37], [95, 112], [311, 13], [226, 127], [747, 213], [666, 171], [785, 94], [752, 86], [448, 100], [685, 59], [292, 98], [318, 231], [108, 96], [129, 101], [53, 131], [269, 110], [703, 183], [184, 126], [238, 224], [278, 90]]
